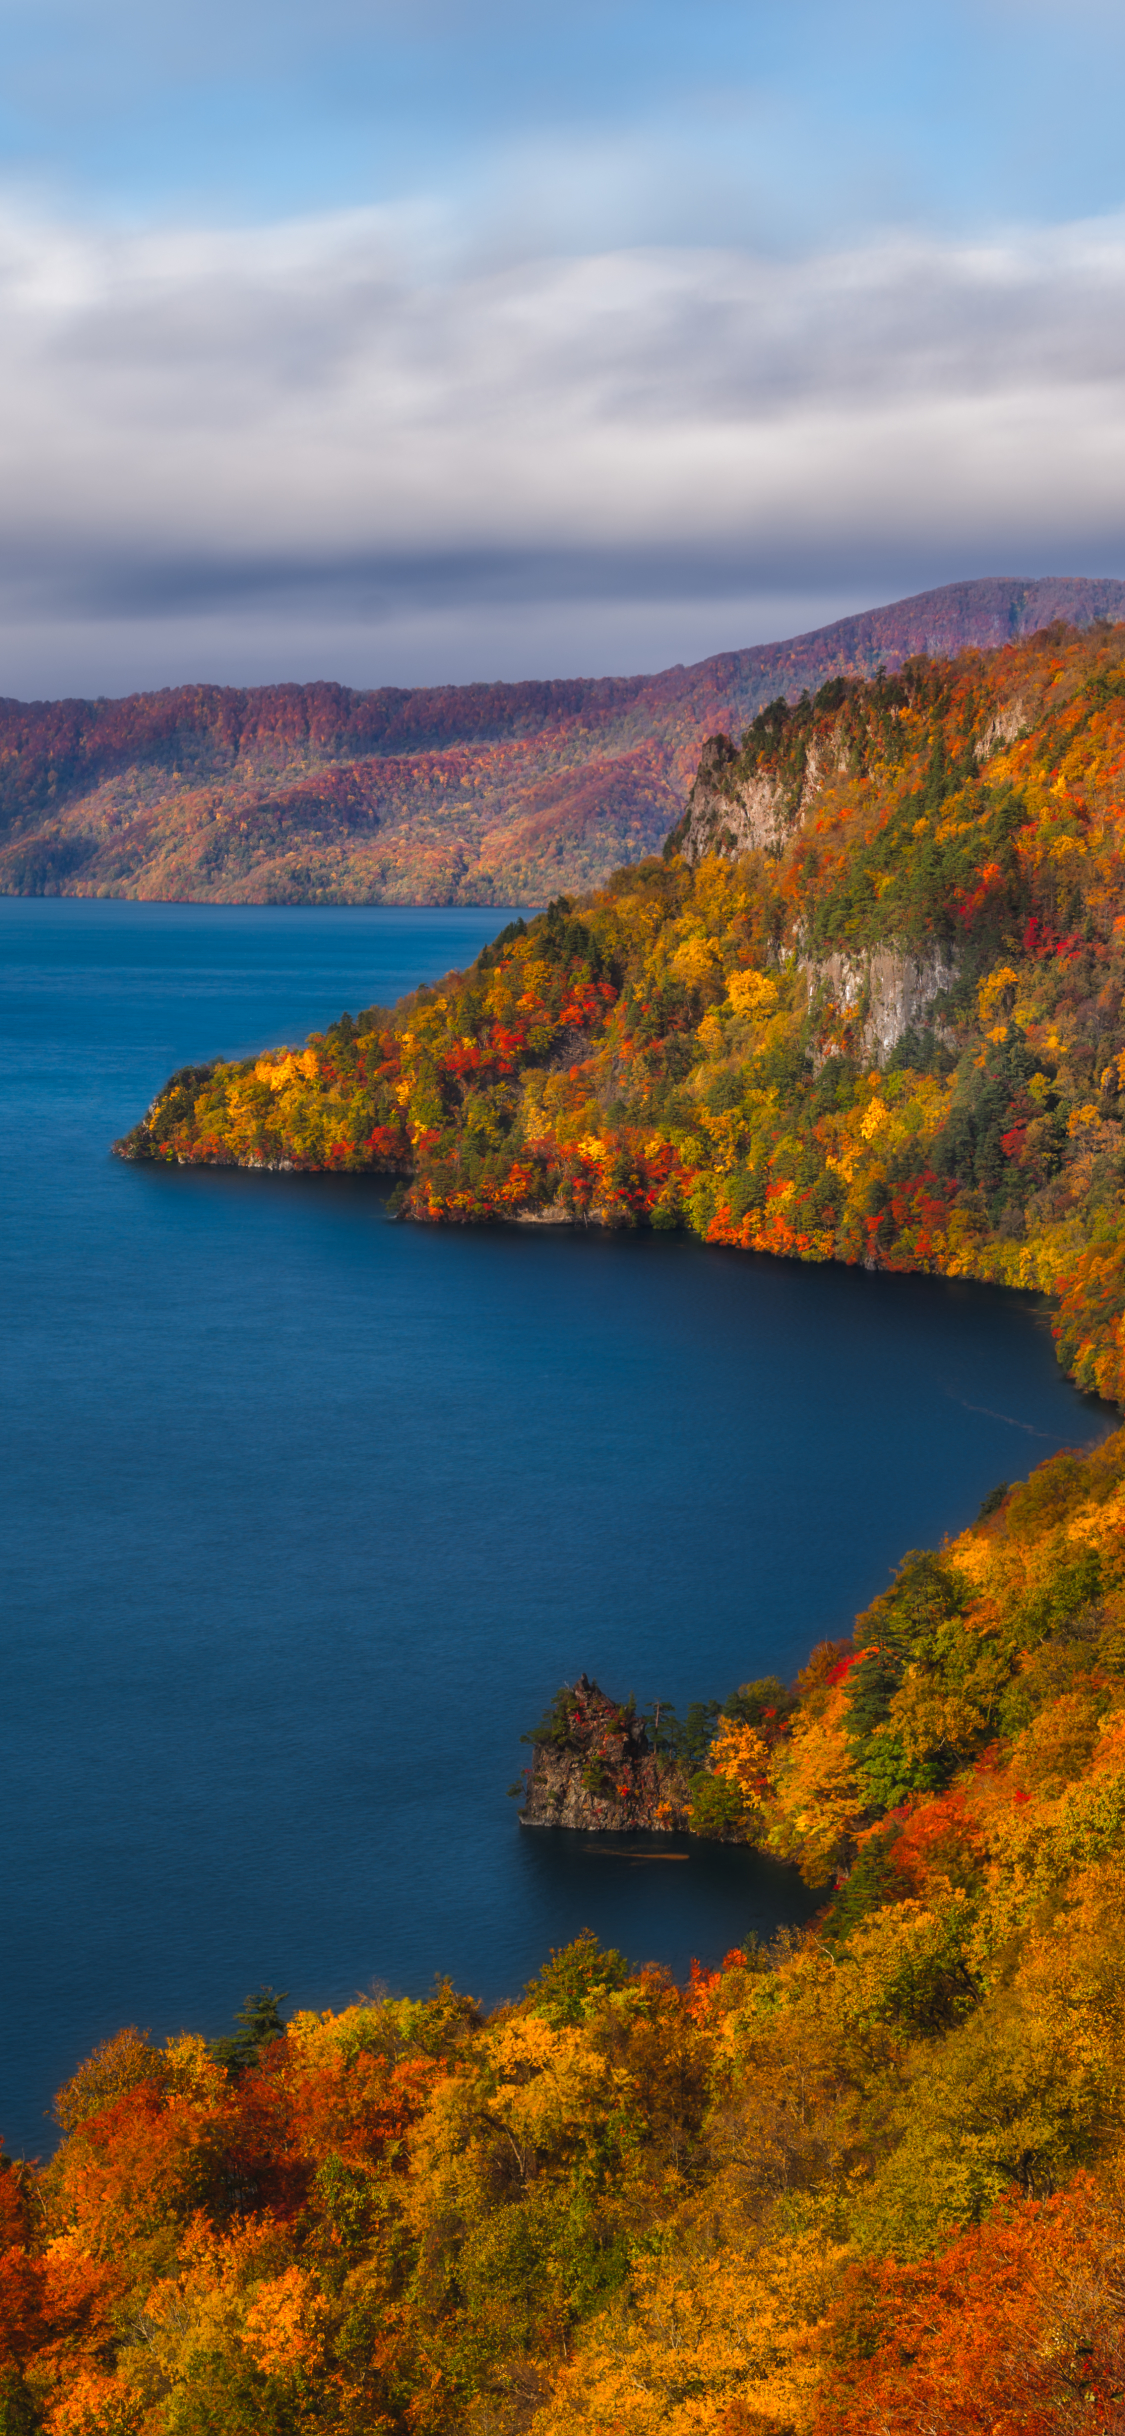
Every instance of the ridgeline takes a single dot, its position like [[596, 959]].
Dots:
[[439, 795]]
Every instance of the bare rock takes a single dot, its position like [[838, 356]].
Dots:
[[884, 992], [734, 817], [600, 1772]]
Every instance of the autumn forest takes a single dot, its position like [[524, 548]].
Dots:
[[873, 1011], [862, 2182], [867, 1005], [484, 794]]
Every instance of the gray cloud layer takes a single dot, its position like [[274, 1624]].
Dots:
[[316, 448]]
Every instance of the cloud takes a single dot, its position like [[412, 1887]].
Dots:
[[331, 429]]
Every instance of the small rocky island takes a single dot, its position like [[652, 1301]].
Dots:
[[597, 1764]]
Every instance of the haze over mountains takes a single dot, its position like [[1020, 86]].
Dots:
[[466, 794]]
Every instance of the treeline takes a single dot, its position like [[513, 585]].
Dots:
[[897, 1039], [866, 2181]]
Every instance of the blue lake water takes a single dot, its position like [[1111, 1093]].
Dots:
[[307, 1515]]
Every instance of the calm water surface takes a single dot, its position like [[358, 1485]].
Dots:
[[307, 1515]]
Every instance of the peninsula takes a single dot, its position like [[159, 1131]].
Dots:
[[868, 1005]]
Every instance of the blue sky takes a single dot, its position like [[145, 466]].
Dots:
[[709, 122], [469, 341]]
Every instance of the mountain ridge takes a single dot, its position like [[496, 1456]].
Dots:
[[472, 794]]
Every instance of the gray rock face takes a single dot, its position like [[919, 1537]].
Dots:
[[756, 812], [604, 1774], [1003, 729], [887, 991], [733, 820]]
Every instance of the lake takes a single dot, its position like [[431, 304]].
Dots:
[[308, 1514]]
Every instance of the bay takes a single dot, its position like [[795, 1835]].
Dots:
[[306, 1515]]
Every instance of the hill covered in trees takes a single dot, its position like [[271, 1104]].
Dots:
[[469, 794], [869, 1005], [865, 2182]]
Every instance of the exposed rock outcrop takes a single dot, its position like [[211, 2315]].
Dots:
[[880, 995], [595, 1767], [1008, 723], [736, 817], [735, 810], [754, 798]]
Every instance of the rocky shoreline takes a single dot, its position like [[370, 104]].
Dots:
[[595, 1766]]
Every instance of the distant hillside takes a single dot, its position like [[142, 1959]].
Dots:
[[462, 794]]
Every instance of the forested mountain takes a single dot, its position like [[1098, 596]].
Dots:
[[469, 794], [868, 1006], [865, 2182]]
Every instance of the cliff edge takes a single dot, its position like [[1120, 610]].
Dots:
[[595, 1766]]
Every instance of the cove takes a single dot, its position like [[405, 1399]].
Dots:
[[306, 1515]]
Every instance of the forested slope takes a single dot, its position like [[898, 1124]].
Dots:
[[865, 2183], [868, 1006], [461, 794], [869, 2182]]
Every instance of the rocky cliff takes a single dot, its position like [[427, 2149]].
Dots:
[[868, 1002], [732, 810], [594, 1766]]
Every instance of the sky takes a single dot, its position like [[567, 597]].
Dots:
[[410, 344]]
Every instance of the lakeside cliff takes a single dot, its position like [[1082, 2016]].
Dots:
[[595, 1767], [869, 1006], [600, 1766]]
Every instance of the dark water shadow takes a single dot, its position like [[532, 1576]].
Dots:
[[675, 1897]]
